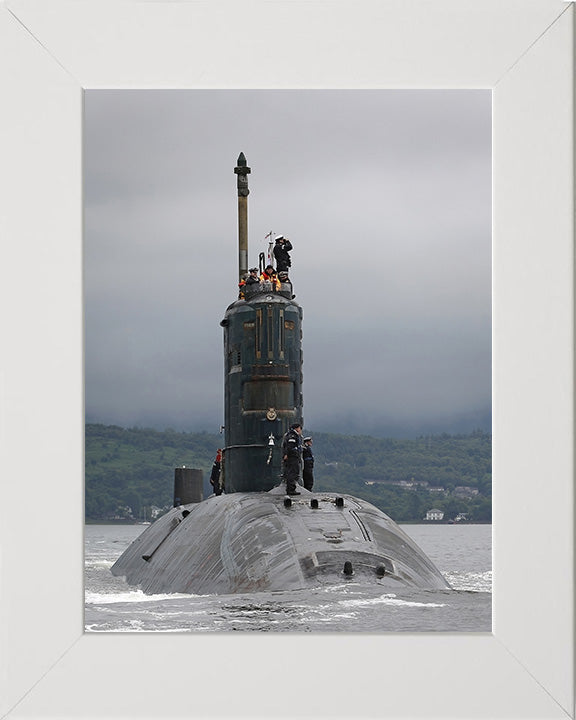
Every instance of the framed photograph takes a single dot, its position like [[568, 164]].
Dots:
[[54, 51]]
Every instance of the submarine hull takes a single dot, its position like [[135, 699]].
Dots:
[[260, 542]]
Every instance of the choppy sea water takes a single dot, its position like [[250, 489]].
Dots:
[[462, 553]]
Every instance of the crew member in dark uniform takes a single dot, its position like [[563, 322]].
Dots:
[[281, 253], [252, 277], [215, 474], [292, 454], [308, 463]]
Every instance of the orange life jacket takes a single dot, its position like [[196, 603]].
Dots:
[[270, 278]]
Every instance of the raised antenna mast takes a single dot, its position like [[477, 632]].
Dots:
[[242, 170]]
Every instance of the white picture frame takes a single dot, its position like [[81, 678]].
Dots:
[[51, 52]]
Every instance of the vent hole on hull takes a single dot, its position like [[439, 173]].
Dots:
[[348, 569]]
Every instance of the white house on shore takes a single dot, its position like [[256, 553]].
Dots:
[[435, 514]]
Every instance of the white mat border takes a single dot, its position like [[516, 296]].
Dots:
[[51, 52]]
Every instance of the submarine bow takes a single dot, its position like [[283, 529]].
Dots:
[[250, 542]]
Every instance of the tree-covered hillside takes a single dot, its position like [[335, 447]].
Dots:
[[131, 471]]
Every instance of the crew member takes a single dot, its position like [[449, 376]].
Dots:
[[292, 454], [269, 275], [308, 463], [241, 285], [252, 277], [281, 253], [215, 474]]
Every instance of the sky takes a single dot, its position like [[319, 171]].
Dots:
[[386, 198]]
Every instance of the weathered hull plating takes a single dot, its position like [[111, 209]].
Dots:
[[256, 542]]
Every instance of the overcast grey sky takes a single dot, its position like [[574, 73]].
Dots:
[[386, 198]]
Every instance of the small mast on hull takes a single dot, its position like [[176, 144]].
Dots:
[[242, 171]]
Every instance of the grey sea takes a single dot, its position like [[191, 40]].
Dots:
[[462, 553]]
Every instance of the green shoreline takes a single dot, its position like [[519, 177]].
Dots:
[[130, 472]]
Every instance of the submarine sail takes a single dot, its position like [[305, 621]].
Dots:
[[263, 370], [251, 536]]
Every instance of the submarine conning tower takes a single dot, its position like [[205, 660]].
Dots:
[[263, 371]]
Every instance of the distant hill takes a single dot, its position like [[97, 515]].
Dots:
[[130, 471]]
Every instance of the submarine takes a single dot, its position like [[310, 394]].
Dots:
[[251, 535]]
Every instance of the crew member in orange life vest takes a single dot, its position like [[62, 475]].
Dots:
[[241, 286], [269, 275]]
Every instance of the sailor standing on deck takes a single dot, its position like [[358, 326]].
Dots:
[[215, 474], [308, 462], [292, 454]]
